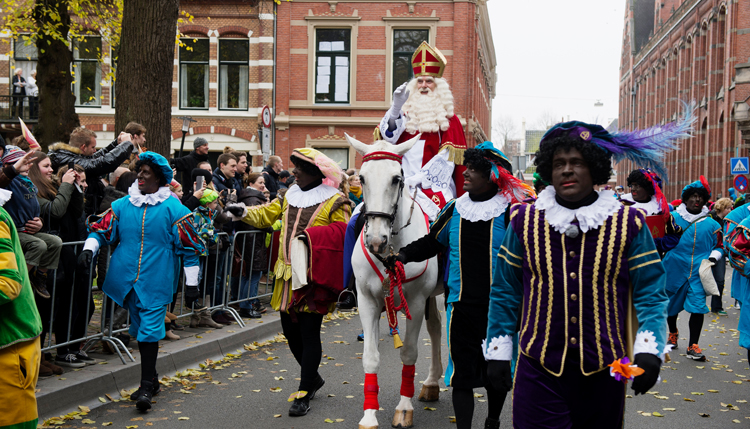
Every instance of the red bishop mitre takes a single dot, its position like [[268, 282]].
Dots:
[[428, 61]]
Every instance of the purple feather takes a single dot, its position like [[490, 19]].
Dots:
[[646, 148]]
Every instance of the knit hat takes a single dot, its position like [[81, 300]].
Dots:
[[12, 154], [209, 196], [198, 142]]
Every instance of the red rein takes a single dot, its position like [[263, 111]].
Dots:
[[396, 277]]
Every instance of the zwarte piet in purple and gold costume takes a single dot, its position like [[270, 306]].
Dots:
[[572, 271]]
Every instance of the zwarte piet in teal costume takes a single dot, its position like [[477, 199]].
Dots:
[[152, 231], [470, 229], [701, 239]]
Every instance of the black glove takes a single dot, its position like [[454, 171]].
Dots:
[[498, 372], [84, 260], [390, 260], [235, 210], [651, 365], [192, 294]]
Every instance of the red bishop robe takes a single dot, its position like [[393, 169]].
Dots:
[[453, 138]]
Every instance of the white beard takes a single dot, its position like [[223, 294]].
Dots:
[[428, 113]]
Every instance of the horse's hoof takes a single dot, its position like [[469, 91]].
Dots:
[[403, 419], [429, 393]]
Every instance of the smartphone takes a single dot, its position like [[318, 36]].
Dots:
[[71, 165], [199, 182]]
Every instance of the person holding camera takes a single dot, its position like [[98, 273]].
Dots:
[[138, 280]]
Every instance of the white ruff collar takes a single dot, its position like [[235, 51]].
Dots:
[[5, 196], [651, 207], [138, 199], [589, 217], [474, 211], [296, 197], [689, 217]]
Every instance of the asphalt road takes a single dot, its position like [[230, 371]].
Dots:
[[238, 392]]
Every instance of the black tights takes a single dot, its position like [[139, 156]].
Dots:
[[463, 405], [695, 324], [149, 353], [303, 336]]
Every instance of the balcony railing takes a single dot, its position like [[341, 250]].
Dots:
[[11, 105]]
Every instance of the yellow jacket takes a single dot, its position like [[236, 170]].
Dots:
[[294, 221]]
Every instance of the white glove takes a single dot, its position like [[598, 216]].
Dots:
[[400, 95]]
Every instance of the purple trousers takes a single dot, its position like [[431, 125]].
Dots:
[[572, 400]]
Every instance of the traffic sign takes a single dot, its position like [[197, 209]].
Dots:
[[266, 116], [739, 165], [740, 183]]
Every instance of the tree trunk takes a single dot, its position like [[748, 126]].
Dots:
[[144, 69], [57, 113]]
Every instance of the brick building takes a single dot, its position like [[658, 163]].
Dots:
[[368, 47], [223, 80], [695, 50]]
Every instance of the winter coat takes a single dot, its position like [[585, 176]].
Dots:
[[221, 183], [103, 161], [257, 254], [23, 206], [111, 194], [272, 181], [61, 215], [185, 166]]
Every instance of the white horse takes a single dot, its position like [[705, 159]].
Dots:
[[393, 221]]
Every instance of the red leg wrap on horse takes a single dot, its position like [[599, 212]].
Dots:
[[371, 392], [407, 381]]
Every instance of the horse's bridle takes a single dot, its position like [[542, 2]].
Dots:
[[373, 156]]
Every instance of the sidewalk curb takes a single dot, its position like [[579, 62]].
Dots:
[[97, 380]]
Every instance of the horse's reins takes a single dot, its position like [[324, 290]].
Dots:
[[396, 275]]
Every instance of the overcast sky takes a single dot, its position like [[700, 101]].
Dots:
[[556, 58]]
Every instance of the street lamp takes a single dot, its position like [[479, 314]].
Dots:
[[186, 120]]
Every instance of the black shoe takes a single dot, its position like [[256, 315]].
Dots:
[[491, 423], [83, 357], [251, 314], [155, 387], [348, 301], [300, 407], [70, 360], [318, 385], [143, 403], [259, 308]]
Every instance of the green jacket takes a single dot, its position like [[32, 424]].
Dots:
[[19, 318]]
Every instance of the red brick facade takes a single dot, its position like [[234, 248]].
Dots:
[[691, 50], [215, 20], [460, 29]]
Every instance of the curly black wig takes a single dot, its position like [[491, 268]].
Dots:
[[640, 179], [155, 168], [596, 158], [477, 160], [306, 167], [702, 192]]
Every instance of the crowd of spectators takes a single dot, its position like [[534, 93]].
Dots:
[[54, 193]]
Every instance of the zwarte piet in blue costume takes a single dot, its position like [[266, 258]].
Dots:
[[701, 239], [152, 231], [471, 229], [568, 267]]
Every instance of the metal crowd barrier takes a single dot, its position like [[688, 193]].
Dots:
[[112, 321]]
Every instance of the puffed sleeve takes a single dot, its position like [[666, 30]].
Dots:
[[103, 230], [263, 216], [650, 299], [190, 246]]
